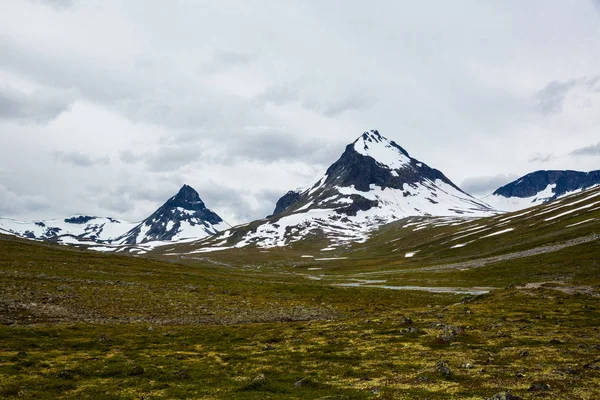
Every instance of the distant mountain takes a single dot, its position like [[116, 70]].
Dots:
[[540, 187], [374, 182], [183, 216], [82, 227]]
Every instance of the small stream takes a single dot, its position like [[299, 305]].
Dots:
[[454, 290]]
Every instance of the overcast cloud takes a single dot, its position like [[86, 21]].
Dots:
[[108, 107], [593, 150]]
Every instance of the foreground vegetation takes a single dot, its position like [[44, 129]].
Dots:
[[81, 325]]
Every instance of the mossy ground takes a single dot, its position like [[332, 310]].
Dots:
[[85, 325]]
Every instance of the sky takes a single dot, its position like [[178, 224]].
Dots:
[[108, 107]]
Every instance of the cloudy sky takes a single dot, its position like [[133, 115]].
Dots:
[[108, 107]]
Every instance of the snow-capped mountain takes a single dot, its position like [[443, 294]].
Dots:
[[540, 187], [183, 216], [374, 182], [81, 226]]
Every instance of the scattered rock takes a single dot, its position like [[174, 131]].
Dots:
[[467, 366], [449, 333], [405, 320], [538, 387], [505, 396], [422, 379], [443, 368], [594, 365]]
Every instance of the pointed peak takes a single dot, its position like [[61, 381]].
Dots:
[[383, 150], [372, 136], [188, 193]]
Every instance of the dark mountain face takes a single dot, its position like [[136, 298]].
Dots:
[[370, 160], [188, 199], [362, 171], [183, 215], [287, 200], [80, 219], [566, 181]]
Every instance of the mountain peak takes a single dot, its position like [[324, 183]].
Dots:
[[187, 194], [183, 216], [386, 152]]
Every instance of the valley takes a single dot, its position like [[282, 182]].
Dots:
[[515, 312]]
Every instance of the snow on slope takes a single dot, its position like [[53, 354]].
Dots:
[[516, 203], [83, 227], [183, 217], [541, 187], [374, 182]]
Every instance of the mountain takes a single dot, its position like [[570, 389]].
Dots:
[[374, 182], [183, 216], [82, 227], [541, 187]]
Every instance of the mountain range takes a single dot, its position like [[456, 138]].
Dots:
[[373, 183]]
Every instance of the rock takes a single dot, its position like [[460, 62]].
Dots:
[[410, 329], [422, 379], [301, 382], [66, 374], [137, 370], [505, 396], [443, 368], [523, 353], [467, 366], [259, 378], [269, 347], [449, 333], [405, 320], [538, 387], [182, 375]]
